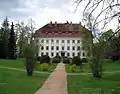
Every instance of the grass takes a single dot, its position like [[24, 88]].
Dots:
[[85, 84], [16, 82], [19, 63], [107, 66]]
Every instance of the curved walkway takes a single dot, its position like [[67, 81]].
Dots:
[[56, 82]]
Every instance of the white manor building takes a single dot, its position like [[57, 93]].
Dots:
[[63, 39]]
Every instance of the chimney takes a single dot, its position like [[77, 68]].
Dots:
[[67, 22], [55, 23], [71, 22], [50, 22], [80, 23]]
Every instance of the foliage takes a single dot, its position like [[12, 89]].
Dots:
[[73, 68], [44, 66], [4, 36], [12, 44], [66, 60], [38, 58], [30, 52], [56, 60], [76, 60], [45, 59], [84, 60]]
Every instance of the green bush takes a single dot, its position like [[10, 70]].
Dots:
[[76, 60], [45, 59], [56, 60], [44, 66], [38, 58], [73, 68], [84, 60], [66, 60]]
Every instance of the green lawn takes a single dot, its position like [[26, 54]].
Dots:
[[113, 66], [85, 84], [16, 82], [19, 63]]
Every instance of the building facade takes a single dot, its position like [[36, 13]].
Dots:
[[60, 39]]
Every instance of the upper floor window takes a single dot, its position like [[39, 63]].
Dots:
[[68, 48], [42, 41], [57, 48], [78, 48], [63, 41], [78, 54], [42, 54], [73, 41], [47, 41], [52, 40], [47, 48], [52, 48], [68, 41], [57, 41], [47, 53], [73, 48], [78, 41]]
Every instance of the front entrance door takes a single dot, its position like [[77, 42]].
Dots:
[[62, 54]]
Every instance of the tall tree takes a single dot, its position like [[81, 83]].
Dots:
[[5, 36], [12, 43], [106, 11]]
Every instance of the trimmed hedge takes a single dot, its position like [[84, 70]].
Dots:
[[76, 60], [66, 60], [45, 59]]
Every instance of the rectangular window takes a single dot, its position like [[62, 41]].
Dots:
[[68, 41], [42, 48], [47, 41], [73, 41], [73, 54], [57, 54], [52, 48], [42, 41], [57, 48], [47, 53], [63, 41], [83, 54], [68, 54], [78, 41], [52, 40], [62, 48], [78, 54], [42, 54], [47, 48], [78, 48], [68, 48], [57, 41], [73, 48], [52, 54]]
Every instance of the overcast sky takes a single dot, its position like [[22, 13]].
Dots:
[[41, 11]]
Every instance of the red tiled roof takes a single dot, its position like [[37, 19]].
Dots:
[[59, 30]]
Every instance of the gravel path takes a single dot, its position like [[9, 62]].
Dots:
[[56, 82]]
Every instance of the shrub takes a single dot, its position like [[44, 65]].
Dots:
[[73, 68], [84, 60], [76, 60], [38, 58], [56, 60], [44, 67], [45, 59], [30, 58], [66, 60]]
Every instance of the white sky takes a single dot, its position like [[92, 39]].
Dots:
[[41, 11]]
